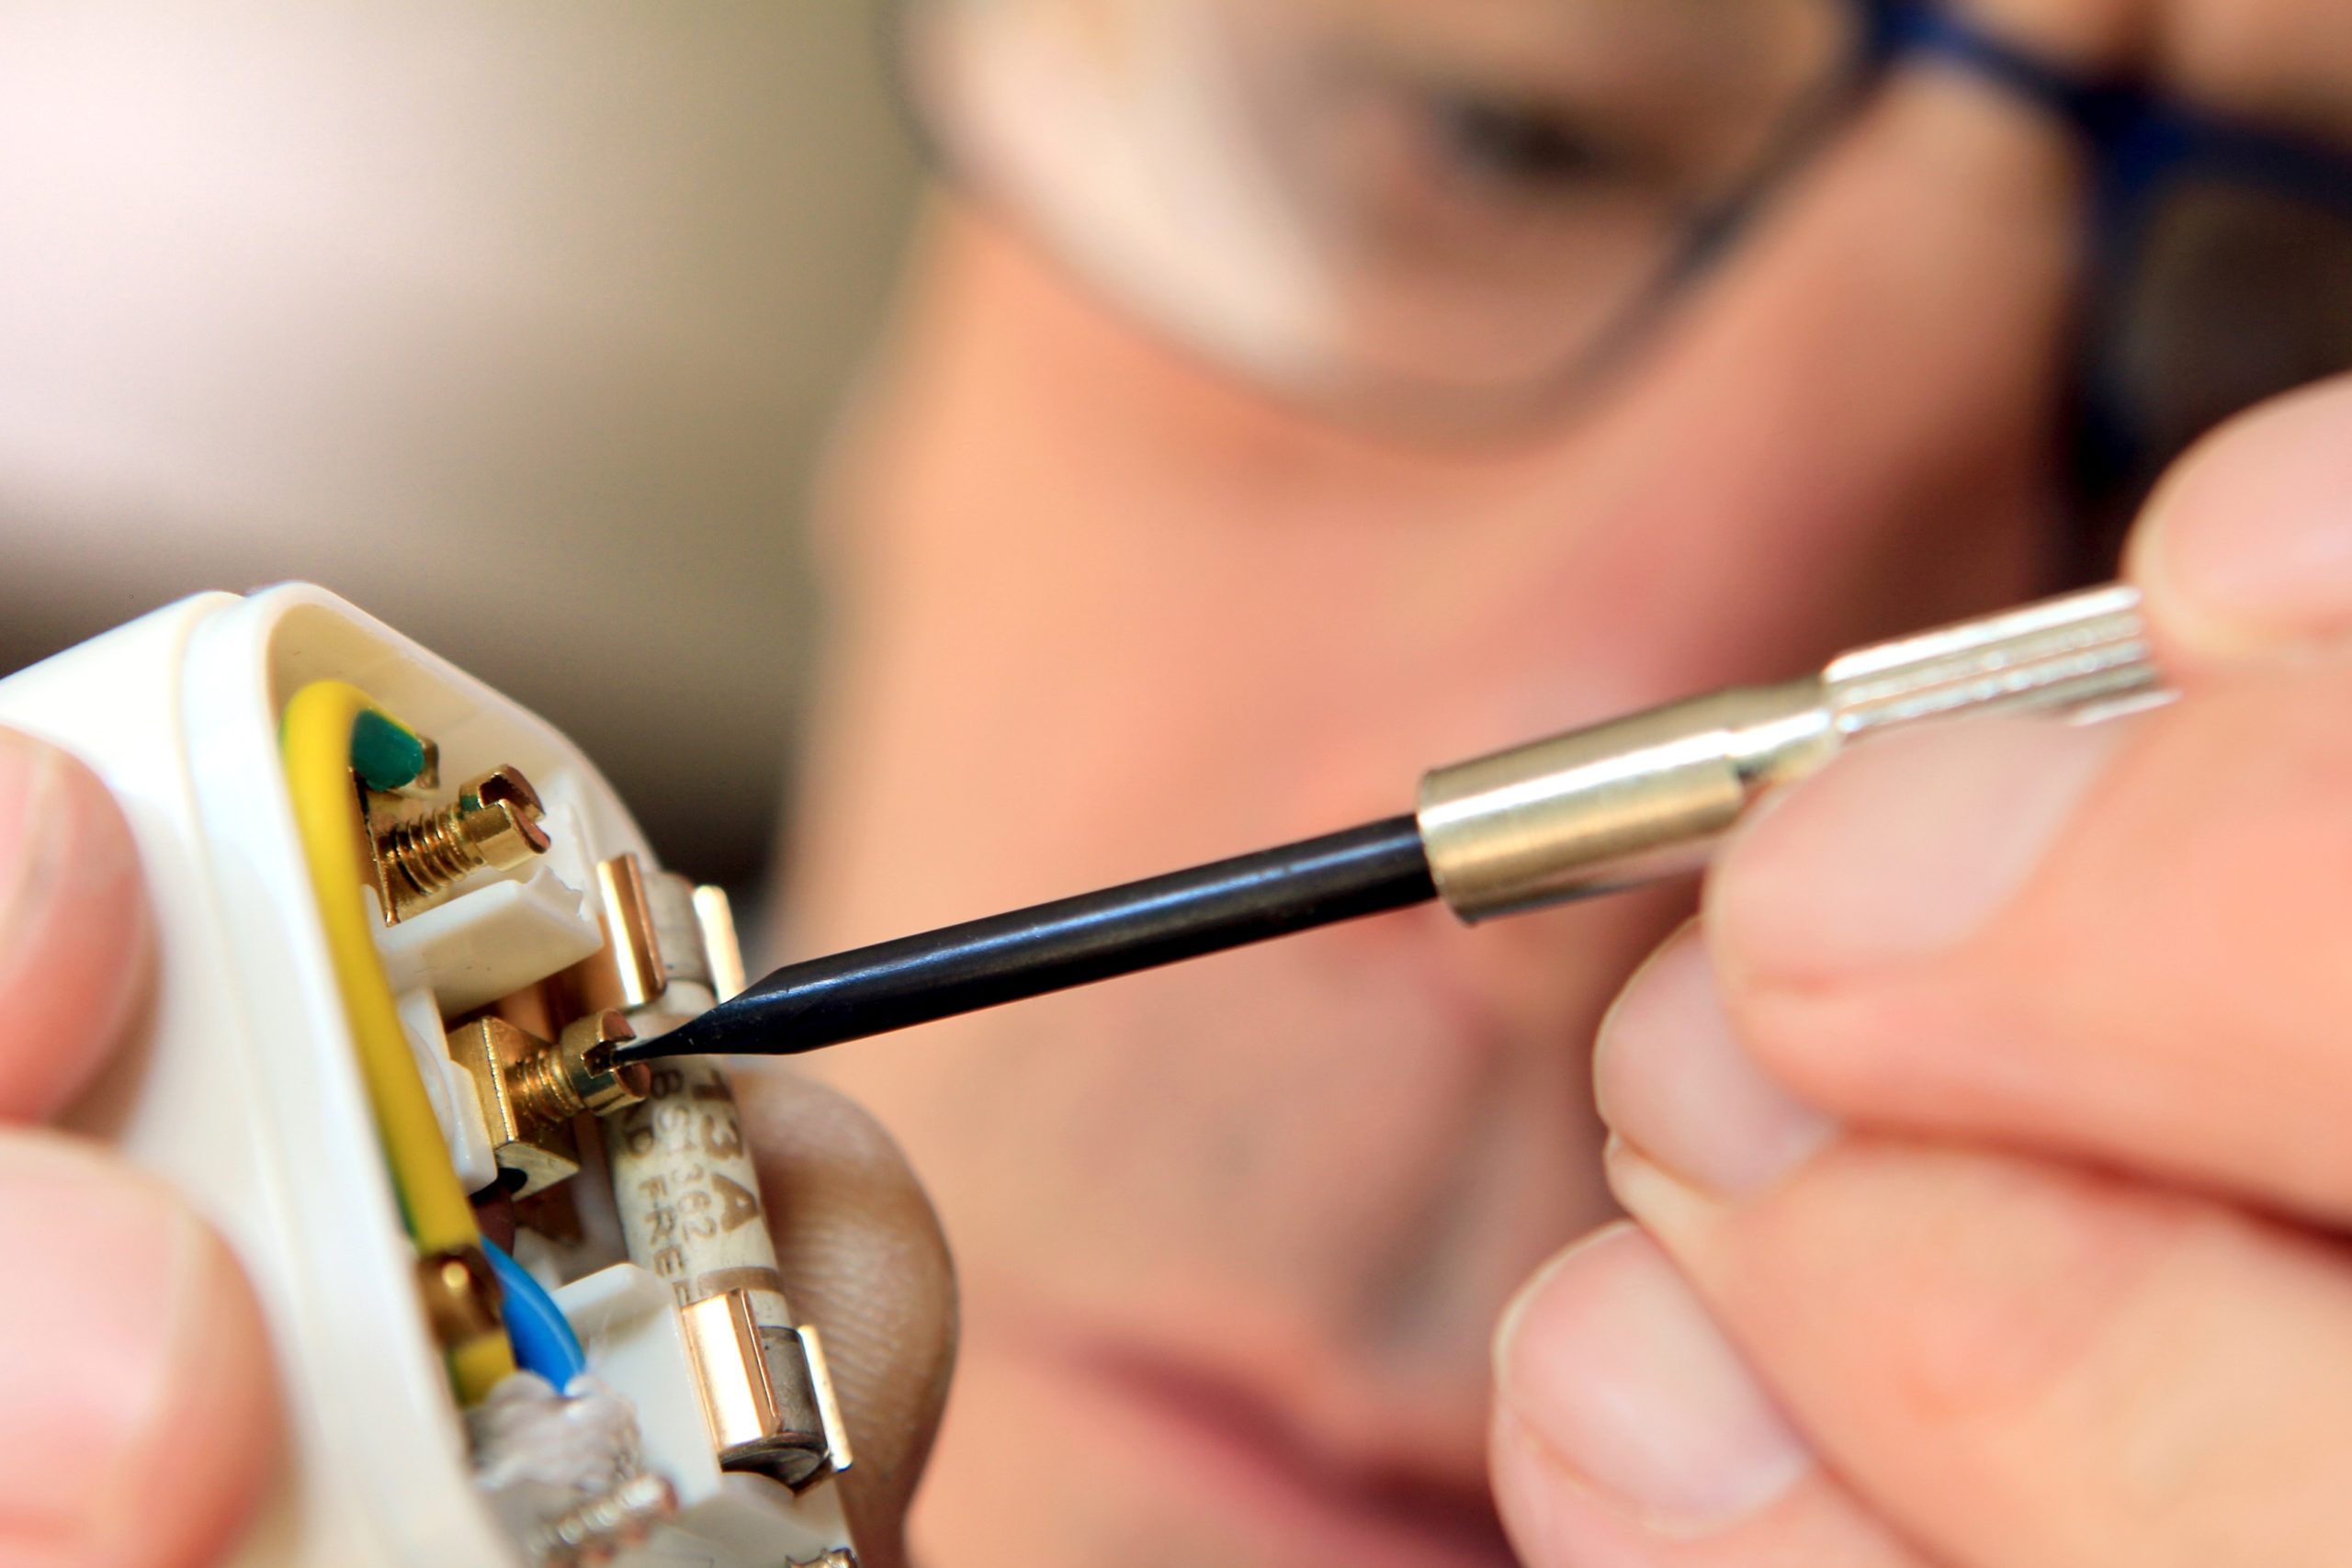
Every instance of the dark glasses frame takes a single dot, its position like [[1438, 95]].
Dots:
[[2144, 146]]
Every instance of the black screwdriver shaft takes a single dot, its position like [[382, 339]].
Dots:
[[1050, 947]]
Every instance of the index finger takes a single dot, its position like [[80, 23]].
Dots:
[[75, 938], [2125, 946], [2121, 942]]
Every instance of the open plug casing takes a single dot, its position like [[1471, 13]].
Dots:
[[242, 1087]]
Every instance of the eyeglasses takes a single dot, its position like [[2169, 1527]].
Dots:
[[1447, 213]]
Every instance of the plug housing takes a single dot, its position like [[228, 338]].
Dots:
[[244, 1092]]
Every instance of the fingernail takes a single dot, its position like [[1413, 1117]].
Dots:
[[1609, 1363], [98, 1275], [2247, 548], [1904, 849], [76, 936], [28, 780], [1673, 1081]]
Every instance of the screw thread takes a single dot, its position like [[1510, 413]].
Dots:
[[542, 1091], [431, 852], [494, 823]]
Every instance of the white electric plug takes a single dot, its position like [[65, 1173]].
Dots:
[[244, 1089]]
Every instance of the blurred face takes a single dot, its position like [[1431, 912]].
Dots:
[[1234, 1237]]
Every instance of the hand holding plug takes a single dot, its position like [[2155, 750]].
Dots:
[[138, 1409], [1986, 1135]]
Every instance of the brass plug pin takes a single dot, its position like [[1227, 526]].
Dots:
[[530, 1091]]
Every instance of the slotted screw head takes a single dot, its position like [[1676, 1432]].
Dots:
[[601, 1085]]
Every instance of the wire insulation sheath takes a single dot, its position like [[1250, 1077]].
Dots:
[[315, 736], [544, 1342]]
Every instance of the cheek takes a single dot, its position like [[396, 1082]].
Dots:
[[1335, 1132], [1106, 618]]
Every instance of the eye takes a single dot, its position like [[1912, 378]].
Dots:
[[1523, 148]]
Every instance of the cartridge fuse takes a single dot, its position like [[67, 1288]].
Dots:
[[691, 1211]]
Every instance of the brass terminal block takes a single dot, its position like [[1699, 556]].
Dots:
[[461, 1296], [493, 825], [530, 1091], [498, 1057]]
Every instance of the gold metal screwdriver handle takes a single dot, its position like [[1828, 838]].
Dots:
[[1650, 796]]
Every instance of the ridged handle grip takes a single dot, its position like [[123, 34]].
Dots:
[[2088, 652]]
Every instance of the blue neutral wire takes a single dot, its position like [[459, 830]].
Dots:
[[544, 1342]]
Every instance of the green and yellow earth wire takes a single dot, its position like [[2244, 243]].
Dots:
[[331, 730]]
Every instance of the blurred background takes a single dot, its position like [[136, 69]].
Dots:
[[519, 326]]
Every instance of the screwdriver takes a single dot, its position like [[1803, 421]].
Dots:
[[1597, 810]]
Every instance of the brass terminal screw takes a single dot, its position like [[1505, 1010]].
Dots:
[[495, 823], [600, 1529], [579, 1074], [461, 1296]]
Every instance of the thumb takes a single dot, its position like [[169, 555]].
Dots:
[[138, 1413], [863, 1257], [2246, 551]]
